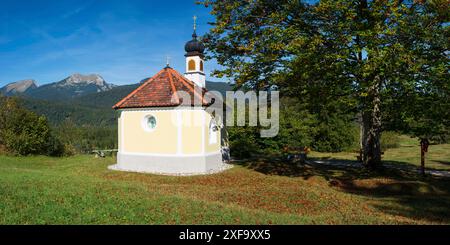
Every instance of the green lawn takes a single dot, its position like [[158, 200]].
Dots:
[[81, 190], [437, 158]]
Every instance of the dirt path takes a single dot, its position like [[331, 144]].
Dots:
[[353, 164]]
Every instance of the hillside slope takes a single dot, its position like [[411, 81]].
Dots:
[[57, 112], [81, 190], [89, 109], [70, 87]]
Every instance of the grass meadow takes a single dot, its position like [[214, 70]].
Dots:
[[81, 190]]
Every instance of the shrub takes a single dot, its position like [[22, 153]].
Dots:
[[55, 147], [335, 135], [390, 139], [298, 128], [23, 132], [85, 138], [242, 142], [69, 150], [295, 130]]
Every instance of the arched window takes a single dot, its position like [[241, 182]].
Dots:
[[191, 65], [201, 65], [213, 132]]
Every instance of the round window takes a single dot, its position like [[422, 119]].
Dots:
[[213, 132], [149, 123]]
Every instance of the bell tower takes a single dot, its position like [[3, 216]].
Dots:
[[194, 59]]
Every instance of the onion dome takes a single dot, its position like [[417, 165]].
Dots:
[[194, 46]]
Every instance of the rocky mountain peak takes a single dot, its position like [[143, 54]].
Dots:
[[78, 79], [19, 87], [88, 79], [74, 85]]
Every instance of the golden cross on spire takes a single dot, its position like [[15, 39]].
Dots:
[[195, 22]]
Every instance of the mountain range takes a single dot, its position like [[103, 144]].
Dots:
[[72, 86], [18, 87], [81, 99]]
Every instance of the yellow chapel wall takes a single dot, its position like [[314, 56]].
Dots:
[[135, 139], [119, 131], [210, 148], [192, 126]]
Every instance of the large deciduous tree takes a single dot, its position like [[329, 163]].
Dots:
[[355, 55]]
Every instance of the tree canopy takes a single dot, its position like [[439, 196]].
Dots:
[[386, 61], [23, 132]]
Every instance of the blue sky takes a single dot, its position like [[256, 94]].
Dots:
[[124, 41]]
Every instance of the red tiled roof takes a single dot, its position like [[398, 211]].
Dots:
[[162, 90]]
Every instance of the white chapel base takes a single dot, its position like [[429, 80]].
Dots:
[[170, 165]]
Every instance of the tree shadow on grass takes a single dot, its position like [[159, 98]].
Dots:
[[327, 167], [394, 191], [427, 200], [442, 162]]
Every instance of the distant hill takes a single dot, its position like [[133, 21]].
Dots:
[[105, 99], [70, 87], [81, 99], [18, 87], [58, 111], [221, 87], [109, 98]]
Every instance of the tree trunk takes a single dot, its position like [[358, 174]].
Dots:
[[422, 162], [364, 127], [371, 129], [424, 143]]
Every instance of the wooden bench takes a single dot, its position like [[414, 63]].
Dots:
[[296, 154], [101, 153]]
